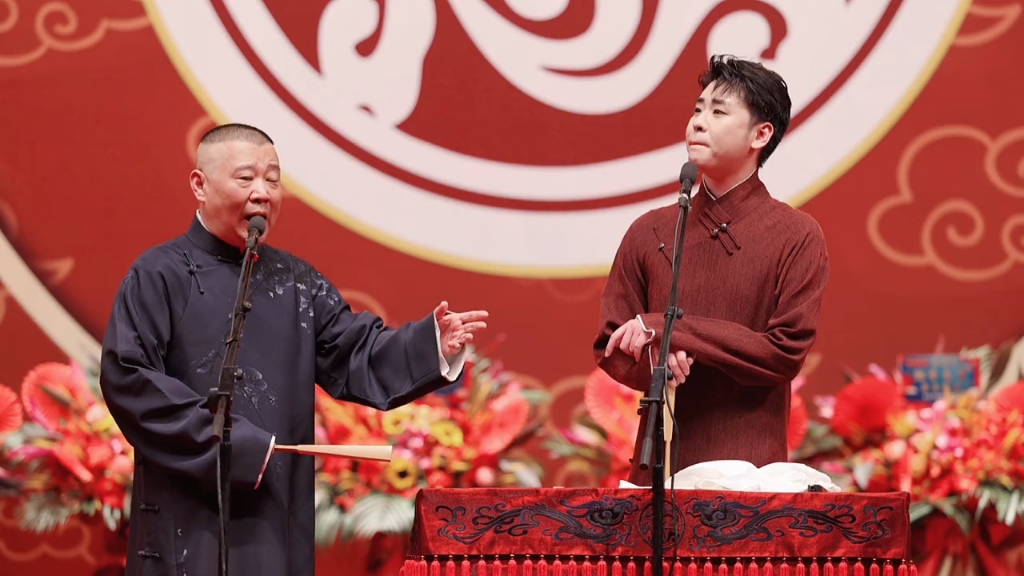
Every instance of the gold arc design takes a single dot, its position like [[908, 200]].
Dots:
[[570, 272], [48, 41], [195, 133], [79, 550], [575, 467], [1006, 16], [894, 115], [17, 277], [561, 388], [33, 294], [56, 270], [905, 196], [10, 222], [362, 301], [570, 467], [811, 364], [562, 294]]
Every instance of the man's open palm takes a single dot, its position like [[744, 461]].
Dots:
[[457, 328]]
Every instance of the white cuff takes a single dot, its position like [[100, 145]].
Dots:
[[273, 442], [449, 369]]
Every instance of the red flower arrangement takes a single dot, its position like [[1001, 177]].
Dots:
[[63, 455], [603, 435], [62, 449], [954, 455], [463, 436], [960, 457]]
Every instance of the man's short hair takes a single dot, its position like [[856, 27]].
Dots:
[[763, 91], [235, 132]]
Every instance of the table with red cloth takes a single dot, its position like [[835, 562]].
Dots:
[[607, 531]]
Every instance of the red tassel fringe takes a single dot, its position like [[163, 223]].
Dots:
[[472, 565]]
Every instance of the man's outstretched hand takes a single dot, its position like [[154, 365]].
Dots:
[[457, 328]]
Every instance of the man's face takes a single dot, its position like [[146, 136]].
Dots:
[[233, 182], [720, 136]]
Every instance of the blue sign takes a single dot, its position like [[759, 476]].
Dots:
[[930, 376]]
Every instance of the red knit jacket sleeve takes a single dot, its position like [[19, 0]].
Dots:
[[625, 296], [775, 355]]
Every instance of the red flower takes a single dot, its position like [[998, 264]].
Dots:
[[98, 455], [613, 406], [798, 422], [71, 458], [11, 417], [1010, 398], [438, 479], [109, 492], [503, 421], [863, 408]]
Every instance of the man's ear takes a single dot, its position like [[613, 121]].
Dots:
[[763, 133], [198, 181]]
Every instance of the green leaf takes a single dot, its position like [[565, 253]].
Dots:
[[322, 497], [126, 507], [526, 476], [57, 396], [920, 510], [984, 499], [1002, 503], [561, 447], [958, 514], [42, 514], [862, 474], [381, 514], [1011, 508], [329, 523], [111, 517], [536, 397]]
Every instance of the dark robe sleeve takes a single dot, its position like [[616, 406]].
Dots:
[[776, 355], [359, 359], [625, 296], [166, 422]]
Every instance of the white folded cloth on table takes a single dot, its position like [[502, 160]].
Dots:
[[742, 476]]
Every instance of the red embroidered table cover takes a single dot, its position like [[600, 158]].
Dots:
[[598, 531]]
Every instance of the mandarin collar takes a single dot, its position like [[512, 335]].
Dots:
[[210, 244], [717, 216], [735, 204]]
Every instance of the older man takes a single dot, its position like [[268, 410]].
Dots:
[[166, 341]]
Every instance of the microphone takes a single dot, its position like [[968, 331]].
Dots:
[[257, 226], [687, 176]]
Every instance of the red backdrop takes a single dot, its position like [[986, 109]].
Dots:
[[925, 231]]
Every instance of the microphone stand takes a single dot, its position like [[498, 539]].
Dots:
[[220, 399], [654, 438]]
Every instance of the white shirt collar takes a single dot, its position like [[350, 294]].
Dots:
[[199, 215]]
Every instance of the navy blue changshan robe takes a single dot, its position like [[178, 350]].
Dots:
[[162, 353]]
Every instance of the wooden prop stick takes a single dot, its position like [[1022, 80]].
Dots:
[[348, 451], [670, 409]]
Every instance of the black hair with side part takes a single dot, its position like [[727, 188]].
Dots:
[[764, 92]]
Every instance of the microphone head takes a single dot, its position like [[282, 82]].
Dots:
[[259, 224], [688, 174]]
